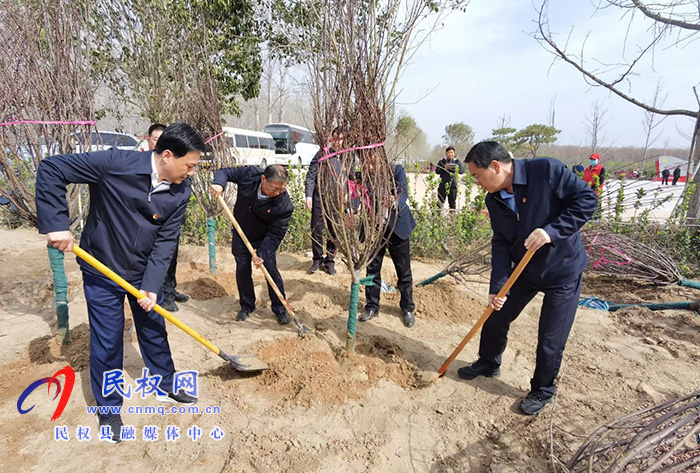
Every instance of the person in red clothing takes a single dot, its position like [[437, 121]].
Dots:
[[595, 169]]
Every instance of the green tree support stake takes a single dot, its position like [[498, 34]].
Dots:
[[434, 278], [689, 283], [211, 235], [352, 312], [60, 287]]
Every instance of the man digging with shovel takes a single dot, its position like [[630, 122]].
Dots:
[[539, 205], [137, 204], [263, 208]]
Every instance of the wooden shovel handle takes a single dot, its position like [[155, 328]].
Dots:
[[487, 313]]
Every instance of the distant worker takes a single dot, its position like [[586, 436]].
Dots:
[[664, 177], [313, 203], [578, 168], [595, 172], [676, 175], [398, 244], [448, 168], [263, 209], [154, 132], [534, 204], [170, 294]]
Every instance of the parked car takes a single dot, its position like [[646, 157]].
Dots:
[[102, 140]]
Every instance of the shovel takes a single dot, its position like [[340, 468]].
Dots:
[[487, 313], [240, 362], [303, 329]]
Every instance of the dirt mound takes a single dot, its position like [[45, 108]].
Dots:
[[307, 370], [197, 282], [443, 302], [45, 350]]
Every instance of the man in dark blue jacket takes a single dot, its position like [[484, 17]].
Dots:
[[313, 203], [263, 209], [137, 205], [449, 169], [399, 247], [533, 204]]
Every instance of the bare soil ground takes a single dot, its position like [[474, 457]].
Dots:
[[319, 408]]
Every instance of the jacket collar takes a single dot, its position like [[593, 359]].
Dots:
[[519, 174], [143, 166]]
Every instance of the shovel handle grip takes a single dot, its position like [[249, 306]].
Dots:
[[239, 230], [487, 313], [92, 261]]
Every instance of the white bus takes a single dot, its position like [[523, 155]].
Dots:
[[251, 148], [293, 144]]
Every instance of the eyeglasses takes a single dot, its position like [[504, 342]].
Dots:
[[276, 190]]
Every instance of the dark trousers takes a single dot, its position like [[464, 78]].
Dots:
[[556, 318], [451, 196], [400, 251], [105, 302], [170, 282], [317, 226], [244, 279], [675, 180], [664, 180]]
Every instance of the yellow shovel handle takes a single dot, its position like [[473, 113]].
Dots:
[[92, 261]]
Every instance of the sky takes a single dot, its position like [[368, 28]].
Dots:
[[484, 64]]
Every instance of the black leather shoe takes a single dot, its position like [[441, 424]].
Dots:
[[242, 315], [533, 404], [330, 268], [368, 314], [180, 297], [479, 368], [170, 306], [315, 266], [283, 318], [409, 319]]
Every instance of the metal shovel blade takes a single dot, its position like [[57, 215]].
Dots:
[[247, 363]]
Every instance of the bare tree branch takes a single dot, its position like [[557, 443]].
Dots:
[[669, 21]]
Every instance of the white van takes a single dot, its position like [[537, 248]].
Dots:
[[251, 148], [293, 144]]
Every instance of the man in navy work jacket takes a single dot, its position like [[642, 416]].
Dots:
[[263, 209], [534, 204], [446, 169], [137, 204], [399, 248]]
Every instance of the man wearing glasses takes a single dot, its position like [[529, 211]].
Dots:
[[263, 209]]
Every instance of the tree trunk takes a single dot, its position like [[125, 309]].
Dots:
[[352, 310], [60, 288], [694, 204], [211, 232]]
